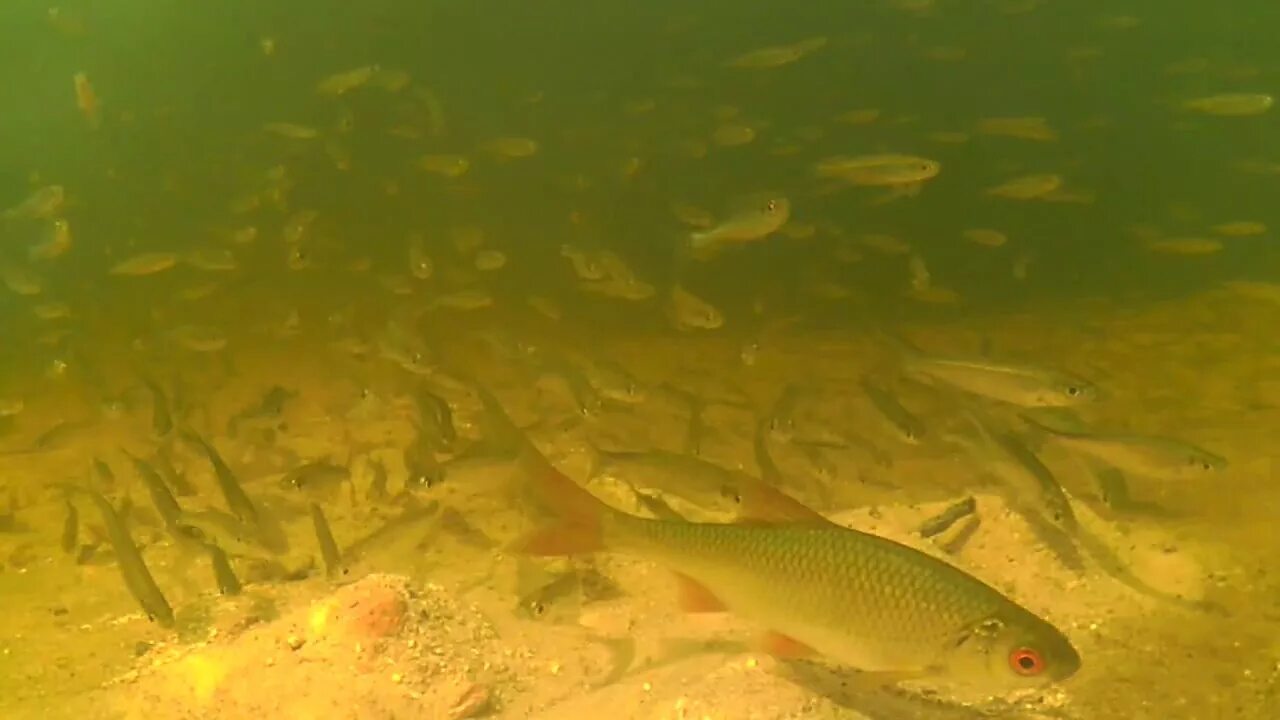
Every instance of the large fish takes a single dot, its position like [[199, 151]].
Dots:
[[820, 588]]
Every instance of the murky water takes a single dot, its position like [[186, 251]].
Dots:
[[851, 250]]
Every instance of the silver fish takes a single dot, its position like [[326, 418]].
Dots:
[[1022, 385], [1144, 455]]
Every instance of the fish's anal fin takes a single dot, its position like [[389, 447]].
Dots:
[[694, 597], [785, 646]]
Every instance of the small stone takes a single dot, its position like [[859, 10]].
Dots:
[[397, 678], [294, 642]]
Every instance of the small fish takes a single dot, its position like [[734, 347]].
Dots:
[[1231, 104], [435, 416], [50, 311], [1024, 128], [420, 264], [145, 264], [378, 485], [391, 79], [55, 245], [1021, 385], [320, 477], [908, 172], [949, 516], [328, 546], [57, 437], [213, 259], [450, 166], [489, 260], [690, 312], [237, 501], [21, 280], [759, 217], [293, 131], [44, 203], [265, 413], [422, 467], [161, 414], [223, 574], [631, 288], [297, 225], [559, 597], [511, 147], [226, 532], [70, 541], [777, 55], [86, 99], [612, 381], [691, 480], [161, 497], [1240, 228], [1027, 187], [1147, 456], [733, 135], [199, 338], [1028, 487], [163, 463], [557, 601], [819, 588], [473, 299], [985, 237], [344, 82], [546, 307], [101, 474], [1185, 246], [11, 406], [907, 426], [137, 578]]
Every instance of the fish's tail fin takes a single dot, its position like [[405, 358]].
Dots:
[[578, 526]]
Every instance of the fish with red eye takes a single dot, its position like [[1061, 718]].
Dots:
[[1026, 662]]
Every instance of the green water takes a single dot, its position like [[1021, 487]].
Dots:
[[623, 101]]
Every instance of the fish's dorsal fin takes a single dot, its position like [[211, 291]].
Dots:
[[785, 646], [766, 505]]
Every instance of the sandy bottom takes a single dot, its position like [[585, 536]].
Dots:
[[431, 618]]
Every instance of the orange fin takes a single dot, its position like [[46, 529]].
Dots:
[[560, 494], [694, 597], [578, 529], [563, 538], [764, 503], [785, 646]]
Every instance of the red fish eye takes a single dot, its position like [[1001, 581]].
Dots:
[[1026, 662]]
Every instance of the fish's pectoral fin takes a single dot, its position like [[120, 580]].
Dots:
[[785, 646], [694, 597]]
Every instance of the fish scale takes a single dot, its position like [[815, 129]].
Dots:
[[852, 596]]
